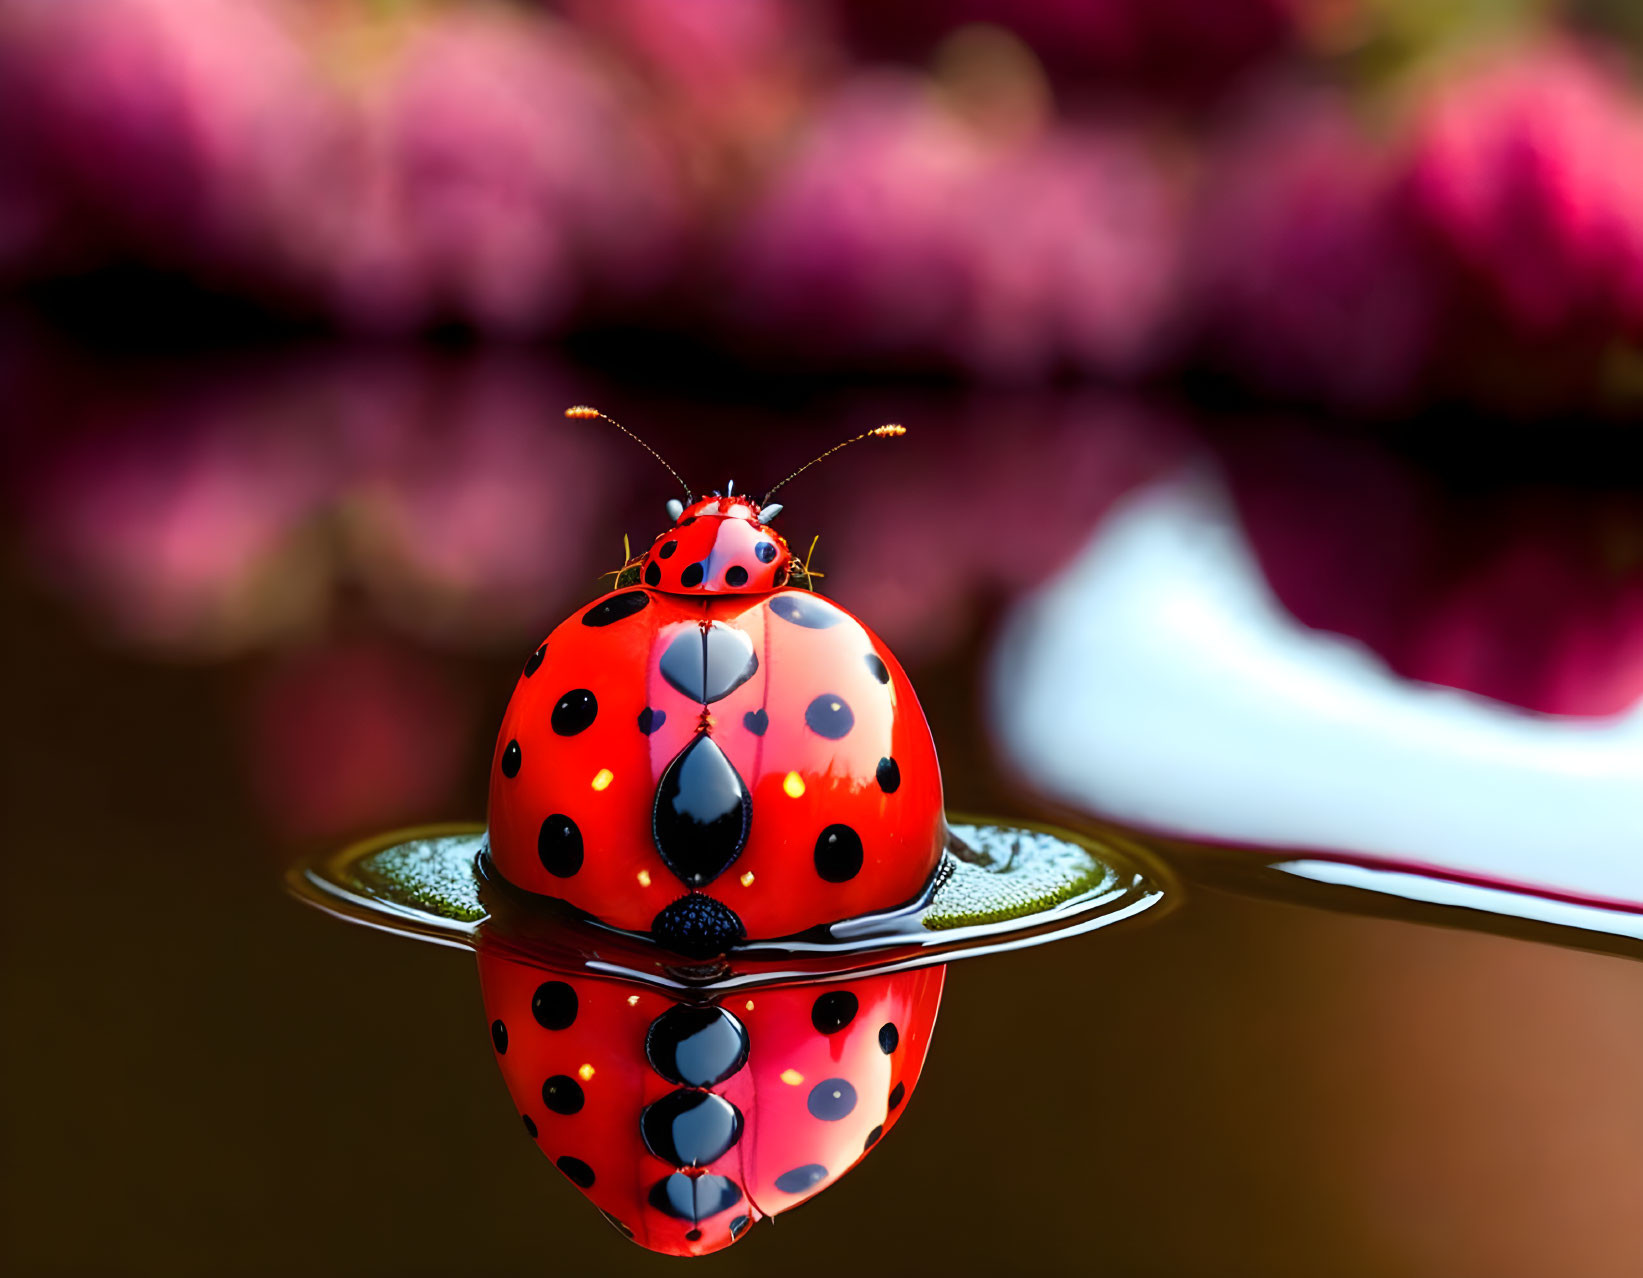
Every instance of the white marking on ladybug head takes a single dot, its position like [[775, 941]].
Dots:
[[675, 508], [767, 513]]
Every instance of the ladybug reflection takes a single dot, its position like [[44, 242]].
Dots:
[[713, 752], [685, 1121]]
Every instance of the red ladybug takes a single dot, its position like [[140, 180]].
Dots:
[[685, 1122], [713, 753]]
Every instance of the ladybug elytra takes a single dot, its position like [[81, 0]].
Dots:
[[713, 752]]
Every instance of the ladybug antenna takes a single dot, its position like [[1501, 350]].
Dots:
[[888, 431], [584, 411]]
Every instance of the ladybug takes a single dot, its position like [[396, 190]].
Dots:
[[687, 1121], [713, 752]]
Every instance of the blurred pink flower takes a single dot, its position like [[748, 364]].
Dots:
[[1527, 172], [900, 232], [500, 179], [1306, 280]]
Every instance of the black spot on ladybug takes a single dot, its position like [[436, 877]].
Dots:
[[535, 662], [554, 1005], [651, 719], [801, 1178], [828, 716], [897, 1094], [668, 547], [766, 551], [873, 1138], [735, 575], [806, 610], [889, 1037], [875, 663], [693, 1235], [709, 664], [559, 846], [687, 521], [562, 1094], [888, 775], [694, 1198], [702, 813], [833, 1011], [575, 712], [511, 759], [697, 926], [838, 854], [756, 721], [696, 1046], [530, 1126], [615, 608], [617, 1224], [689, 1128], [692, 575], [576, 1171], [738, 1227], [499, 1037], [831, 1099], [653, 575]]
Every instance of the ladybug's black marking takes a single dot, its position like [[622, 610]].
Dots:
[[766, 551], [888, 775], [562, 1094], [831, 1099], [653, 575], [689, 1128], [873, 1138], [735, 575], [697, 926], [738, 1226], [889, 1037], [696, 1046], [559, 846], [694, 1198], [709, 664], [702, 813], [554, 1005], [692, 575], [875, 663], [535, 662], [829, 716], [511, 758], [801, 1178], [693, 1235], [838, 854], [530, 1126], [615, 608], [806, 610], [897, 1094], [619, 1226], [687, 521], [650, 719], [833, 1011], [756, 722], [576, 1171], [499, 1037], [668, 547], [575, 712]]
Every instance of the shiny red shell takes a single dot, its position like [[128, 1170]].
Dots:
[[823, 1072], [843, 811]]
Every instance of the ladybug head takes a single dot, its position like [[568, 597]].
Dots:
[[721, 544], [718, 545]]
